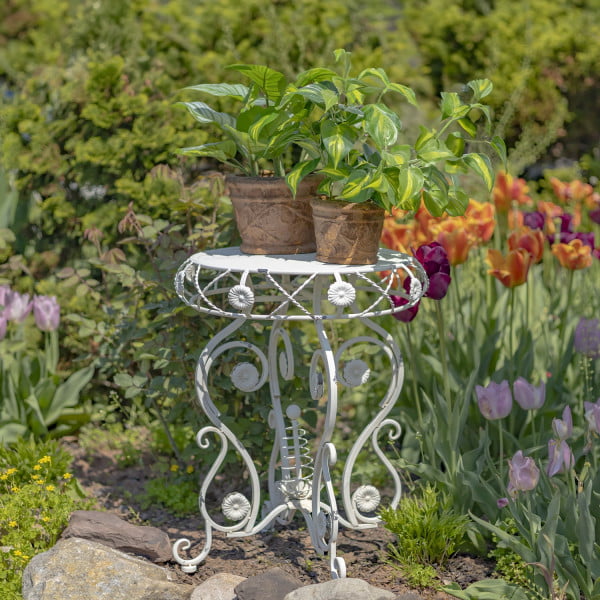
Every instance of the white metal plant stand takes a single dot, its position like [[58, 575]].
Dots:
[[230, 284]]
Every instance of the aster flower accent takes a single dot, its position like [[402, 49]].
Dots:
[[341, 294], [245, 377], [356, 372], [366, 498], [241, 297], [235, 506]]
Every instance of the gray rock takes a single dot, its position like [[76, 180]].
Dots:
[[77, 569], [341, 589], [108, 529], [273, 584], [218, 587]]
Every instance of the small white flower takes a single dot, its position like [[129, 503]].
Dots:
[[356, 372], [366, 498], [245, 377], [341, 293], [241, 297], [235, 506]]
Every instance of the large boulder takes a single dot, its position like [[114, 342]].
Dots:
[[108, 529], [340, 589], [273, 584], [218, 587], [77, 569]]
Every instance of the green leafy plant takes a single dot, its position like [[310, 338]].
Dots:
[[428, 532], [359, 146]]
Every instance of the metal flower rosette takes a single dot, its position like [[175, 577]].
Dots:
[[280, 290]]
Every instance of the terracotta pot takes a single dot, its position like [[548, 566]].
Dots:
[[270, 220], [347, 233]]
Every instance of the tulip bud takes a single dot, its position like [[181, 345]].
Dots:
[[495, 400], [46, 311], [523, 474], [528, 396]]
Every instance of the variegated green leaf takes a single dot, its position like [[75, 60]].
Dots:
[[410, 184], [382, 124], [270, 82], [435, 202], [338, 141], [452, 106], [357, 183], [221, 151], [468, 126], [499, 146], [254, 131], [299, 172], [481, 88], [458, 201], [456, 144], [205, 114], [312, 75], [434, 150], [480, 164], [407, 92], [236, 91]]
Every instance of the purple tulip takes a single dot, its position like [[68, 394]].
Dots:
[[595, 215], [566, 222], [17, 307], [434, 259], [563, 428], [523, 474], [502, 502], [560, 457], [587, 338], [46, 311], [528, 396], [592, 415], [407, 315], [534, 220], [3, 324], [495, 400]]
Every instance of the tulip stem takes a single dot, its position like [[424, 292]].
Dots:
[[444, 359], [413, 369], [563, 320], [501, 448], [511, 347]]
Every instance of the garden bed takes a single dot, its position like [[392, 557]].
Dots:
[[119, 488]]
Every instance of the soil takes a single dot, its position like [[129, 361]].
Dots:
[[116, 488]]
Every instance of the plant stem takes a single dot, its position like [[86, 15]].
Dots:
[[511, 347], [444, 359], [501, 448], [413, 368]]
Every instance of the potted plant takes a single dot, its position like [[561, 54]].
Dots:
[[257, 138], [356, 144]]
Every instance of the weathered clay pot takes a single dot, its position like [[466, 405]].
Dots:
[[270, 220], [347, 233]]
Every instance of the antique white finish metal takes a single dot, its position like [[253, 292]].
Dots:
[[281, 289]]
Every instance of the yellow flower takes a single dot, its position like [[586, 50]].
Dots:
[[174, 468], [67, 476], [36, 477], [15, 488], [189, 469], [11, 471], [17, 553], [45, 459], [50, 488], [12, 523], [36, 467], [39, 481], [3, 477], [46, 519]]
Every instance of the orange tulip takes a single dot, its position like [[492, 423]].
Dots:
[[397, 236], [574, 255], [571, 191], [528, 239], [550, 211], [452, 234], [507, 190], [512, 270], [480, 220]]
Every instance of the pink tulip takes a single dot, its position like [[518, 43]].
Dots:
[[523, 474], [528, 396], [17, 307], [46, 311], [560, 457], [563, 428], [495, 400]]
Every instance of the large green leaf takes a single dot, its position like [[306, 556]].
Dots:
[[480, 164], [205, 114], [338, 141], [487, 589], [270, 82], [382, 124], [67, 394], [435, 201], [312, 75], [237, 91], [434, 150]]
